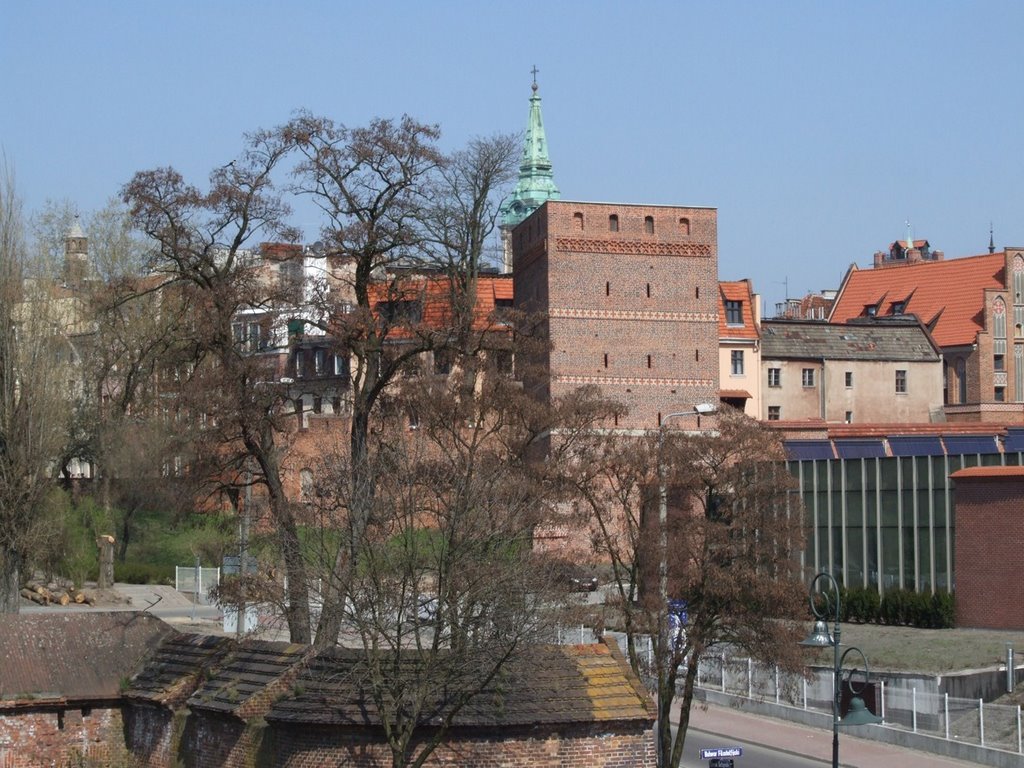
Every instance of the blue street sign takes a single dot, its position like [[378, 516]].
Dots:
[[708, 754]]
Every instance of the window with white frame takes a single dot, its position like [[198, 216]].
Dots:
[[774, 412], [774, 377], [901, 382], [807, 377], [737, 362]]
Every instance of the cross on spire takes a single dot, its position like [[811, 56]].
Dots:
[[534, 72]]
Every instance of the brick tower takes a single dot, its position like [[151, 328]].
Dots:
[[630, 298]]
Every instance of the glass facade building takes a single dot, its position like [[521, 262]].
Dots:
[[881, 511]]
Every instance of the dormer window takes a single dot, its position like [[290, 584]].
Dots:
[[733, 312], [898, 307], [870, 310]]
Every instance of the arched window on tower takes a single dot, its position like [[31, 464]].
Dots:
[[649, 225], [684, 226], [577, 220], [613, 223]]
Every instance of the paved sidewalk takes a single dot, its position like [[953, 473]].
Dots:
[[811, 742]]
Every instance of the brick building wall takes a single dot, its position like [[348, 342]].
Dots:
[[596, 746], [989, 540], [204, 740], [630, 296], [31, 738]]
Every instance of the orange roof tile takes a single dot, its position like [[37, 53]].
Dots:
[[434, 293], [987, 472], [950, 294], [738, 290]]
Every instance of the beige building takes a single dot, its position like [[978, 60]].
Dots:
[[739, 346], [864, 372]]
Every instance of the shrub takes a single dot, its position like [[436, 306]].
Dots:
[[863, 604], [143, 573]]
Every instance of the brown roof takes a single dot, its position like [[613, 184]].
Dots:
[[434, 296], [247, 676], [987, 473], [175, 669], [738, 290], [948, 296], [73, 656], [550, 685]]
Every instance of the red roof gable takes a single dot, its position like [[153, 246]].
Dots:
[[738, 290], [434, 295], [953, 292]]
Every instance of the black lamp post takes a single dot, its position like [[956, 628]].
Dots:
[[859, 714]]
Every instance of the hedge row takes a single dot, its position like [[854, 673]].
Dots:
[[898, 607]]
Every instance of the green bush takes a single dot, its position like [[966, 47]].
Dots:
[[862, 605], [143, 573], [893, 608], [943, 610]]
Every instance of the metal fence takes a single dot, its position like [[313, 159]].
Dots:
[[969, 721], [196, 581]]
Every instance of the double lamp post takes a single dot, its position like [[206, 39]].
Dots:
[[825, 605]]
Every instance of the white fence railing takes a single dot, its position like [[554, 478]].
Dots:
[[969, 721], [196, 581]]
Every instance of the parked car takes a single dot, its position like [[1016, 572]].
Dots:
[[577, 578]]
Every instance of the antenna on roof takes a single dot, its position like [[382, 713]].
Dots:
[[910, 242], [991, 239]]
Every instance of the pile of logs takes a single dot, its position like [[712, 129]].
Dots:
[[43, 595]]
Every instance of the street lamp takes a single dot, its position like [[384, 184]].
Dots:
[[859, 714], [699, 410]]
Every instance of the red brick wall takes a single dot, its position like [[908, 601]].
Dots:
[[989, 540], [582, 747], [207, 741], [31, 738], [632, 311]]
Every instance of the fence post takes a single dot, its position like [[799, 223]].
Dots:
[[1018, 730], [723, 671], [913, 706], [804, 682], [699, 663], [945, 707], [881, 714], [750, 679], [777, 684], [981, 720]]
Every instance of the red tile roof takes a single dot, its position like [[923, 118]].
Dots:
[[434, 293], [738, 290], [947, 296], [977, 473]]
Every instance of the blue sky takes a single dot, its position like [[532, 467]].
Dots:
[[815, 128]]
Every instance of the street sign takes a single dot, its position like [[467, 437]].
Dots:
[[721, 762], [710, 754]]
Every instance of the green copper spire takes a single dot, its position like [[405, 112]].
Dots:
[[536, 182]]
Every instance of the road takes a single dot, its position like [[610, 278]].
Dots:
[[754, 755]]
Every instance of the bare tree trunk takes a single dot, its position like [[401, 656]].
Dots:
[[297, 611], [10, 576], [689, 682]]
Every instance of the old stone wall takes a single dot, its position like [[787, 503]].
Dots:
[[30, 738]]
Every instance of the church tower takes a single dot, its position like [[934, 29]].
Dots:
[[76, 256], [536, 181]]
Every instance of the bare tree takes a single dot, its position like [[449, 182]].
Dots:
[[733, 578], [204, 245], [446, 590], [33, 343], [391, 201]]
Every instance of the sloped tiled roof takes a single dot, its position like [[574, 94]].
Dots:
[[176, 668], [246, 676], [550, 685], [949, 294], [738, 290], [434, 293], [73, 656], [904, 340]]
